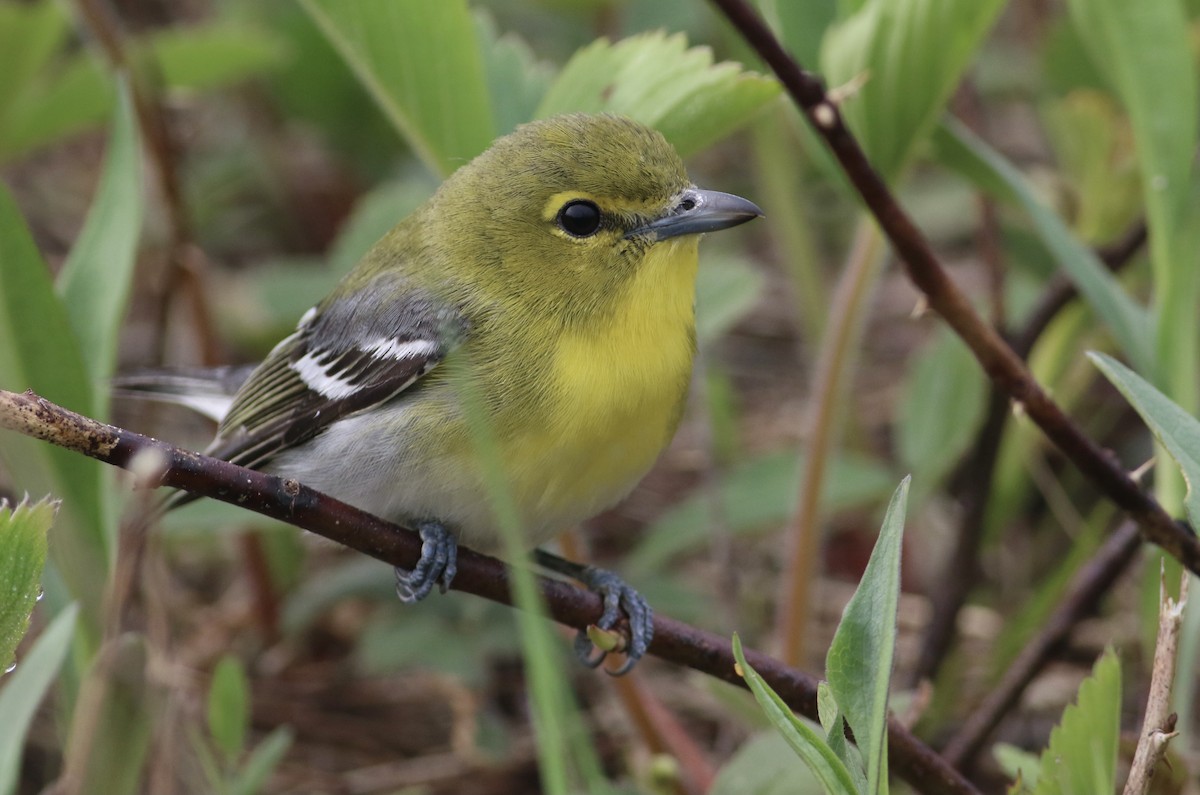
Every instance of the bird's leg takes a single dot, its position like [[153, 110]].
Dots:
[[617, 596], [438, 563]]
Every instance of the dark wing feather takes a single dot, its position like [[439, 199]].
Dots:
[[342, 359]]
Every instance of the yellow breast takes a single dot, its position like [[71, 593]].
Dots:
[[620, 390]]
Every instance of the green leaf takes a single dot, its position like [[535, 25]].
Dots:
[[24, 689], [1145, 51], [77, 91], [266, 756], [727, 288], [125, 709], [22, 557], [756, 496], [1129, 324], [30, 34], [95, 282], [657, 80], [941, 407], [805, 741], [375, 213], [912, 54], [834, 726], [229, 707], [421, 63], [801, 26], [1081, 758], [517, 80], [199, 57], [38, 350], [859, 661], [1017, 763], [1090, 138], [79, 95], [1174, 428], [765, 765]]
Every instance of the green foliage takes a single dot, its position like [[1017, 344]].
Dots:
[[228, 725], [727, 288], [23, 531], [941, 408], [229, 707], [50, 89], [96, 279], [1130, 326], [23, 689], [1090, 137], [517, 80], [39, 351], [422, 64], [122, 702], [450, 87], [859, 661], [802, 25], [859, 667], [807, 743], [1113, 85], [1081, 758], [658, 80], [765, 765], [754, 497], [1145, 53], [1175, 429], [912, 54]]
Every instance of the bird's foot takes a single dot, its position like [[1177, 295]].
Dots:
[[438, 564], [618, 597]]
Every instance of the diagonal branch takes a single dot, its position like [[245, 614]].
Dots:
[[960, 573], [1005, 368], [160, 464]]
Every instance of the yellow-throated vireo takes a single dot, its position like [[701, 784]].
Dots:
[[552, 277]]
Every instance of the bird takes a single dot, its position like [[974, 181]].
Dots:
[[547, 291]]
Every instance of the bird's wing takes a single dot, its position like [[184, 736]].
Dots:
[[344, 357]]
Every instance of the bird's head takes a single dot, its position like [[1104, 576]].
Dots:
[[579, 200]]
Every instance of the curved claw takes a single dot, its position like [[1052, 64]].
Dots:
[[588, 654], [438, 564], [618, 597]]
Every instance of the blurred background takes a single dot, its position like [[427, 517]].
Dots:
[[248, 153]]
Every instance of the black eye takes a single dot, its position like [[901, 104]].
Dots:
[[579, 218]]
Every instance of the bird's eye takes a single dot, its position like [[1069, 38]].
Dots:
[[579, 218]]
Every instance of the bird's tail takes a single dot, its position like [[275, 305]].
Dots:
[[208, 391]]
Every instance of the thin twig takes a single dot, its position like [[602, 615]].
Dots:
[[157, 463], [1159, 725], [1081, 597], [839, 344], [999, 361]]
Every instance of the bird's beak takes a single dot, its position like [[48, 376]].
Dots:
[[700, 211]]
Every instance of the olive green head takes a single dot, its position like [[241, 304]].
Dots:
[[557, 216], [576, 201]]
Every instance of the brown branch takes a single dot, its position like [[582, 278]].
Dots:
[[1005, 368], [157, 463], [1083, 594], [975, 477]]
